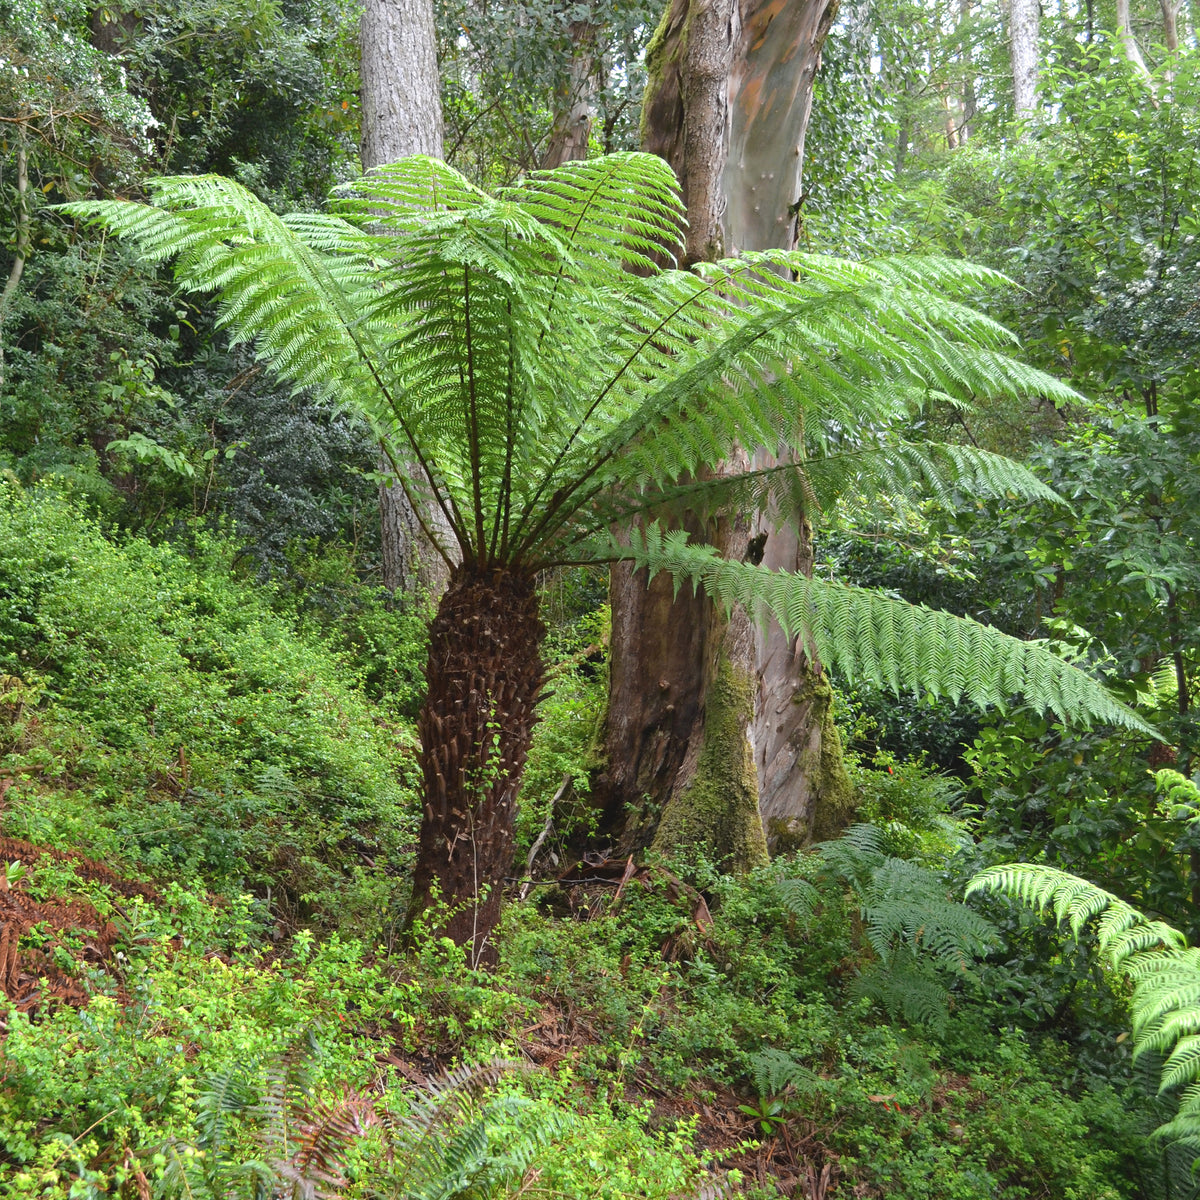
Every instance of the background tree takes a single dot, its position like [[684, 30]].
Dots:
[[727, 105], [402, 115]]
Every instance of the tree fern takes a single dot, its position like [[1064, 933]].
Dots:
[[1152, 955], [537, 394], [543, 393]]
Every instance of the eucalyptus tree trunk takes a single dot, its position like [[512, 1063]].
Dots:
[[1024, 25], [23, 241], [717, 728], [1129, 42], [402, 115]]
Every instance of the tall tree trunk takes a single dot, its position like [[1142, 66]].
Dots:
[[694, 698], [573, 116], [1023, 44], [402, 115], [484, 675], [1129, 42], [969, 99], [22, 247], [401, 97]]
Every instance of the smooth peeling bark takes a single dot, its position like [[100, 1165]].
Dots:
[[774, 65], [484, 674], [1023, 45], [727, 104], [804, 792]]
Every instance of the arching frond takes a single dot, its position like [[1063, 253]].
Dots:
[[1154, 956], [864, 634], [534, 389]]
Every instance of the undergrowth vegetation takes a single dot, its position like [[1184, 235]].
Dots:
[[254, 1028]]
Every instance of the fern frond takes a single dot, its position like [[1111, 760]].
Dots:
[[774, 1071], [225, 1094], [1180, 795], [904, 989], [326, 1134], [1154, 956], [798, 896], [864, 634]]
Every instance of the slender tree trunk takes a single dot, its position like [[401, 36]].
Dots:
[[484, 675], [402, 115], [1023, 43], [695, 699], [969, 99], [401, 97], [1129, 42], [573, 119], [21, 250]]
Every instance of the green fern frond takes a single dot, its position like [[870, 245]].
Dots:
[[1155, 957], [799, 897], [864, 634], [905, 989], [225, 1094], [1180, 795], [906, 911], [774, 1071]]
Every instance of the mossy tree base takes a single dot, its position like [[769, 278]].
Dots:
[[716, 812]]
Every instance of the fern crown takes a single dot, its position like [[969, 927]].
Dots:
[[539, 380]]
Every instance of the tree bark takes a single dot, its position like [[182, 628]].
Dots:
[[23, 241], [484, 676], [1023, 43], [401, 97], [1129, 42], [697, 701], [402, 115], [572, 126]]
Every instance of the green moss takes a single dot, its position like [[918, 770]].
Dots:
[[834, 798], [718, 811]]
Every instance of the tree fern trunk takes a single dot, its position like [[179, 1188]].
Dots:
[[484, 674]]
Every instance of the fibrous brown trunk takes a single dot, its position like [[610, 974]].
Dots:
[[402, 115], [484, 674], [695, 702]]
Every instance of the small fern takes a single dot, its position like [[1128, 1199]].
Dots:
[[906, 987], [921, 938], [774, 1071], [1180, 796], [1152, 955], [454, 1142]]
